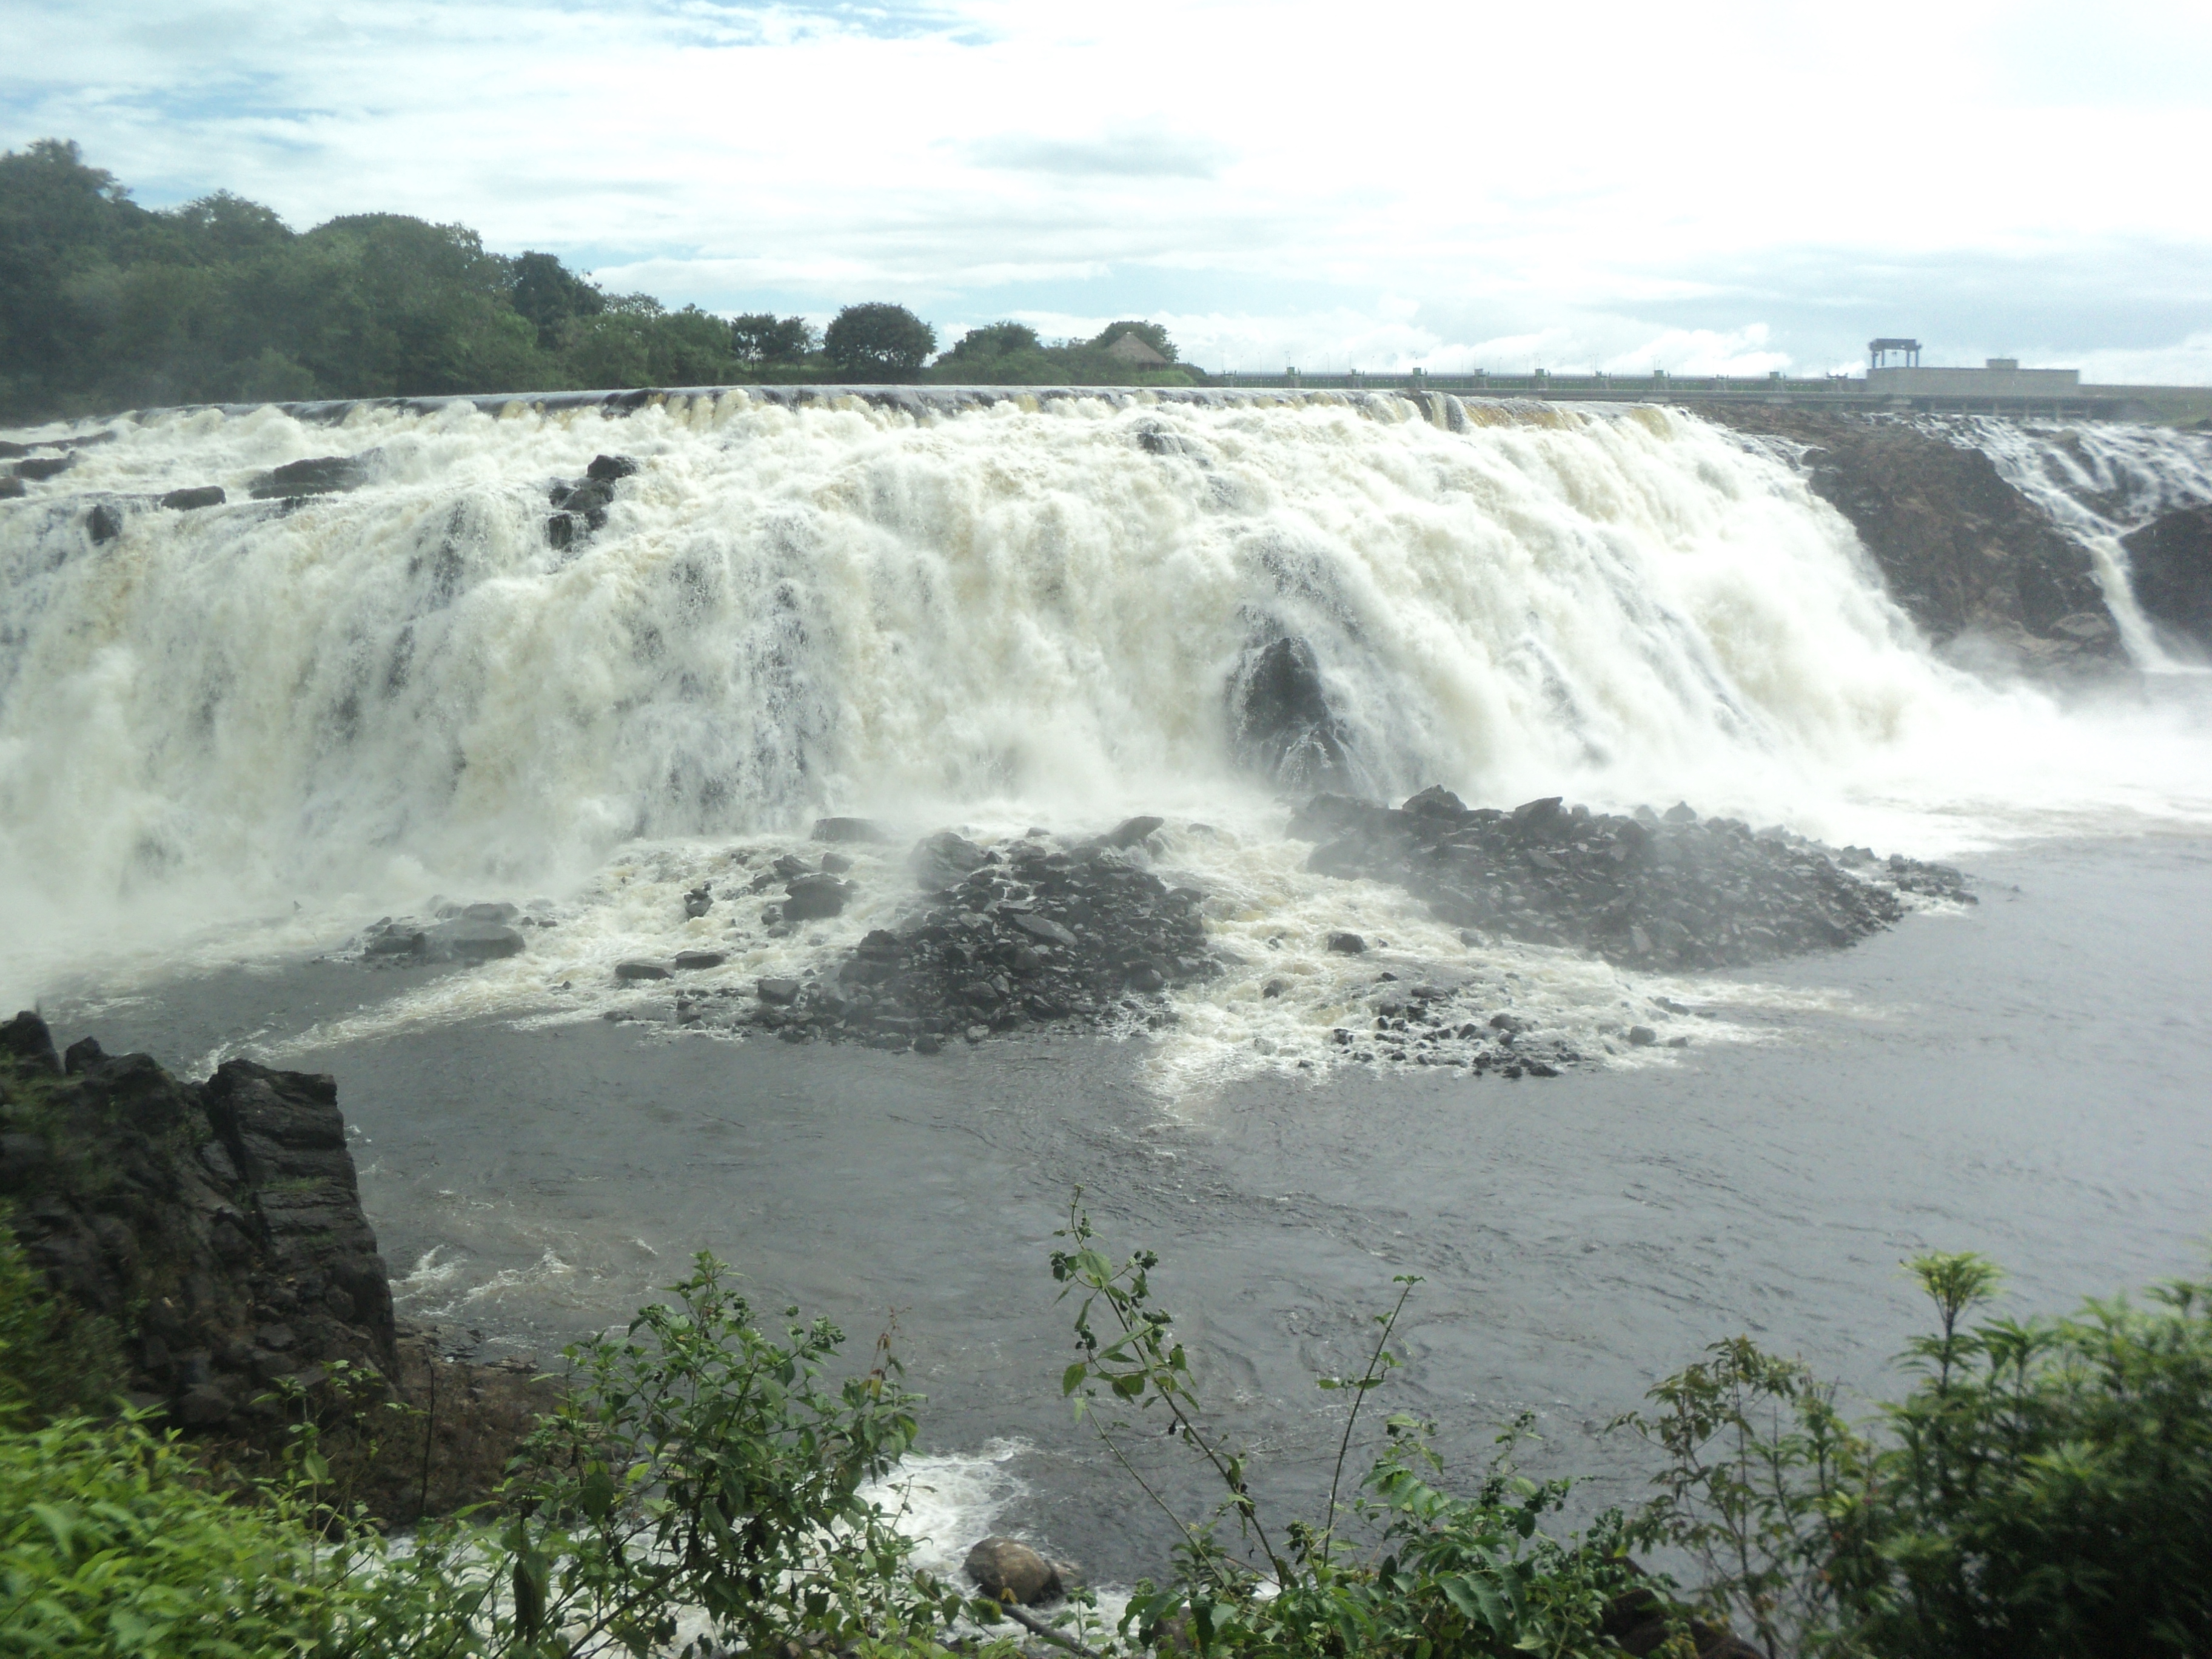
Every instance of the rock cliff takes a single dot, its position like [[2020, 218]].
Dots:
[[1962, 551], [2171, 558], [218, 1227]]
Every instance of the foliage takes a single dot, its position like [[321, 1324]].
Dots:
[[104, 304], [549, 295], [1437, 1575], [879, 338], [699, 1466], [2040, 1490], [113, 1542], [991, 341], [1012, 354], [761, 337], [55, 1360]]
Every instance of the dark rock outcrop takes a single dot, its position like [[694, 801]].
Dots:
[[188, 500], [38, 467], [1020, 934], [1961, 550], [1007, 1571], [218, 1227], [848, 829], [323, 475], [223, 1218], [1280, 722], [2171, 559], [1671, 892], [478, 934], [580, 508]]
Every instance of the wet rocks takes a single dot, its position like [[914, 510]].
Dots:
[[208, 1215], [941, 861], [1021, 933], [689, 961], [1007, 1571], [1959, 549], [191, 499], [848, 829], [471, 933], [41, 467], [1280, 722], [219, 1227], [104, 523], [324, 475], [810, 898], [1347, 945], [582, 505], [2171, 560], [1670, 891], [630, 973], [469, 940], [1130, 831]]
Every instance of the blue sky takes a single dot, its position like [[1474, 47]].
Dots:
[[1697, 186]]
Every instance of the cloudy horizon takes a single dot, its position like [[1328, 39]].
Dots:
[[1715, 188]]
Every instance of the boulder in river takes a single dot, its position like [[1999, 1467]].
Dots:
[[323, 475], [199, 496], [845, 830], [467, 938], [1280, 720], [1130, 831], [944, 859], [1007, 1571], [630, 972], [809, 898]]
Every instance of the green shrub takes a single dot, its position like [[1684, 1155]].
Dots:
[[112, 1543], [2043, 1489], [1416, 1570], [54, 1360]]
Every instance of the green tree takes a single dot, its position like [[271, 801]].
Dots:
[[548, 294], [994, 340], [878, 340], [761, 337]]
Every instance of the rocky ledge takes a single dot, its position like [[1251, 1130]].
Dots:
[[1961, 550], [1646, 890], [1017, 935], [216, 1228]]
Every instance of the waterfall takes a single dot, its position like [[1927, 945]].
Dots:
[[1022, 611]]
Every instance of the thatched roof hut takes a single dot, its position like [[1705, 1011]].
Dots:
[[1132, 350]]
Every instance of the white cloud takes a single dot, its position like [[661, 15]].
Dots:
[[1612, 182]]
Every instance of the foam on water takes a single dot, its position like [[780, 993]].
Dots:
[[241, 734]]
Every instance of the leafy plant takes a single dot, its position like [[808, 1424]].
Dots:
[[2041, 1490], [1435, 1573], [55, 1360]]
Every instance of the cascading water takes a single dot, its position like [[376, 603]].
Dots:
[[2098, 481], [294, 715]]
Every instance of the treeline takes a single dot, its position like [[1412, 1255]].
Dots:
[[108, 305]]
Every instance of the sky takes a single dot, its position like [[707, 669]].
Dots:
[[1699, 187]]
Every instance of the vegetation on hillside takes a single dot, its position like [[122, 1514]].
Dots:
[[107, 305], [2039, 1492]]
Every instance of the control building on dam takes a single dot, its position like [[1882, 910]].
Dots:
[[2000, 387]]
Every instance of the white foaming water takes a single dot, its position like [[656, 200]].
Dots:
[[242, 733]]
